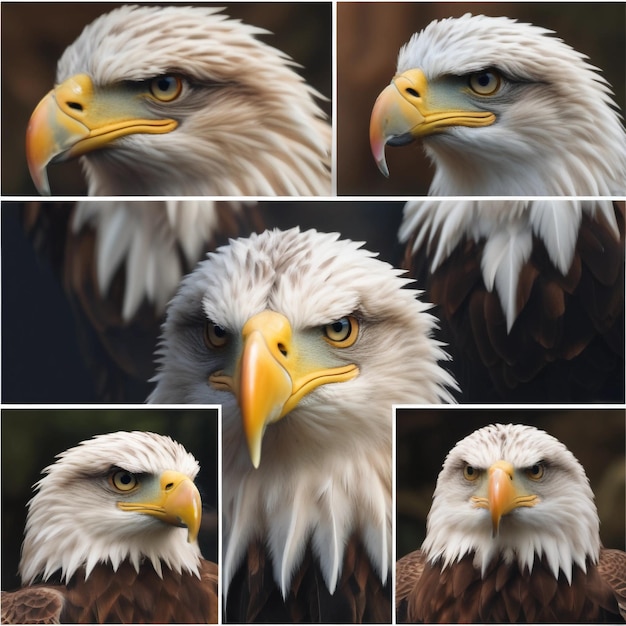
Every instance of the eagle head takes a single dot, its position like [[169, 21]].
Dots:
[[179, 100], [514, 493], [115, 497], [502, 108]]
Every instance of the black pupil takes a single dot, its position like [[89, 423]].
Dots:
[[470, 470], [164, 83], [125, 479], [220, 333], [484, 79], [534, 469]]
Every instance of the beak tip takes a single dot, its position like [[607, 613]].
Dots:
[[382, 167], [255, 457]]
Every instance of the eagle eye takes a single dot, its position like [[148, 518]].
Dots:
[[123, 480], [536, 471], [166, 88], [342, 333], [470, 473], [214, 335], [485, 83]]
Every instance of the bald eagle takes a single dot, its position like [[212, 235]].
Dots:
[[530, 294], [306, 340], [111, 537], [512, 536], [178, 100], [120, 262], [502, 108]]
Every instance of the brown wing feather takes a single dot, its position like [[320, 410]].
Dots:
[[32, 605], [567, 343], [360, 596], [612, 570], [408, 572]]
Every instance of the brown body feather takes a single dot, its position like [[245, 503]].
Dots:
[[122, 597], [458, 594], [118, 352], [567, 342], [360, 596]]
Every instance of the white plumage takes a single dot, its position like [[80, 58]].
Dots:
[[562, 526], [508, 230], [79, 528]]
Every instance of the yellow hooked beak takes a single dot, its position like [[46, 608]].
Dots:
[[503, 494], [177, 502], [272, 376], [407, 109], [76, 118]]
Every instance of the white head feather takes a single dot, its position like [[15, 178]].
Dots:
[[154, 241], [326, 466], [557, 130], [563, 527], [248, 123], [73, 521]]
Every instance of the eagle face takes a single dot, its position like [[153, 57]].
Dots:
[[124, 495], [489, 97], [303, 314], [515, 493], [180, 101]]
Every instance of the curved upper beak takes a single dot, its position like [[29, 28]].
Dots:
[[272, 376], [406, 110], [503, 494], [76, 117], [176, 501]]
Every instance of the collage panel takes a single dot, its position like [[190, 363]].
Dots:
[[171, 100], [485, 496], [490, 101], [525, 314], [118, 509]]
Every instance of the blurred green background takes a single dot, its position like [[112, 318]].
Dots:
[[596, 437], [32, 437]]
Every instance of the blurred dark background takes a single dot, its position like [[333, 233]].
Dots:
[[45, 353], [31, 438], [35, 34], [596, 437], [369, 36]]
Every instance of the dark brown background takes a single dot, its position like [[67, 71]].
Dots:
[[369, 36]]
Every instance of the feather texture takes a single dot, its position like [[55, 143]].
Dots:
[[545, 323]]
